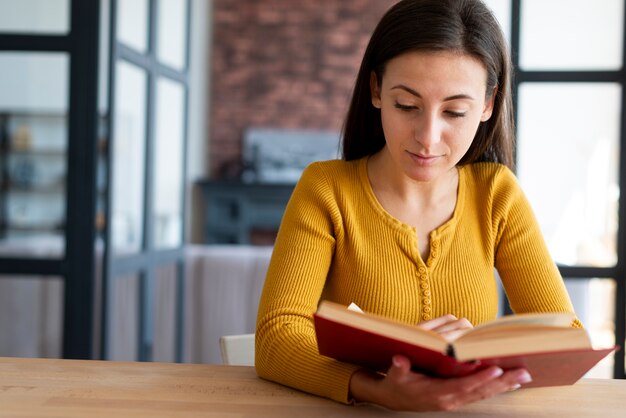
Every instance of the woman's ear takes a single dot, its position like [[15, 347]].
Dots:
[[375, 90], [488, 110]]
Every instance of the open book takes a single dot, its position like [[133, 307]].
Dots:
[[545, 344]]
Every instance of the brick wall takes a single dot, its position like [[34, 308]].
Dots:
[[283, 64]]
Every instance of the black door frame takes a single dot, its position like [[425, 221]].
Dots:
[[77, 267]]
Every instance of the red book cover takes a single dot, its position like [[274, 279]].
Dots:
[[374, 351]]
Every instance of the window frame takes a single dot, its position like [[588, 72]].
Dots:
[[616, 273], [145, 263]]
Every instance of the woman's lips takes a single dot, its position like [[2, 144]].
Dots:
[[423, 159]]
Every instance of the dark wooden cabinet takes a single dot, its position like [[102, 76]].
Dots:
[[236, 212]]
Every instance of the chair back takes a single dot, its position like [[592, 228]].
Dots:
[[237, 350]]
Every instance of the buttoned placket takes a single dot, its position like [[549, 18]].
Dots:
[[426, 313], [425, 291]]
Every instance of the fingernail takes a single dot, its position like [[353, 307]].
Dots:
[[515, 386], [396, 362], [497, 372], [524, 377]]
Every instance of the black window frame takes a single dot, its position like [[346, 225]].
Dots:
[[616, 273]]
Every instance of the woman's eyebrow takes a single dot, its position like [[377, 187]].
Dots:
[[416, 94]]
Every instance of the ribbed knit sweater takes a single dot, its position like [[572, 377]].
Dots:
[[337, 242]]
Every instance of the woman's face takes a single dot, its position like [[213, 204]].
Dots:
[[431, 105]]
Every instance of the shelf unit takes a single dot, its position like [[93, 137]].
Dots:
[[33, 171]]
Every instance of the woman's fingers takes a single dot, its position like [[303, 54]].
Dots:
[[454, 329], [459, 324], [406, 389], [483, 385], [448, 326], [491, 381], [400, 368], [437, 322]]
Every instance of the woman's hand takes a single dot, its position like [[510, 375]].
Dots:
[[448, 326], [405, 390]]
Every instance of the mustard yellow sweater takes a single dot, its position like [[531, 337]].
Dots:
[[336, 242]]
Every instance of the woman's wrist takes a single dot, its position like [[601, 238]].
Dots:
[[363, 385]]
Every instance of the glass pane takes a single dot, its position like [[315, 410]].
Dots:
[[172, 28], [103, 56], [31, 316], [35, 16], [129, 158], [571, 34], [33, 145], [34, 82], [502, 10], [594, 303], [568, 153], [132, 23], [168, 164], [123, 332]]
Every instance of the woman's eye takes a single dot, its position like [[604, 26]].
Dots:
[[405, 107], [455, 114]]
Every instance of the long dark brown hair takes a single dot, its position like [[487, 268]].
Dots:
[[466, 26]]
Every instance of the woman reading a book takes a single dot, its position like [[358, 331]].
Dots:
[[411, 223]]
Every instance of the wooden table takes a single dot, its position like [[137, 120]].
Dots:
[[74, 388]]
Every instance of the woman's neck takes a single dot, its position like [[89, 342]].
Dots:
[[390, 182]]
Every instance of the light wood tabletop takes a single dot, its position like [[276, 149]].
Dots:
[[88, 388]]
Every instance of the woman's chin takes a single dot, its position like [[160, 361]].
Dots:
[[424, 174]]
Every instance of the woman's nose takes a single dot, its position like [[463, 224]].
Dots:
[[428, 130]]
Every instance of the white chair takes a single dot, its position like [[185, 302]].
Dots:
[[237, 350]]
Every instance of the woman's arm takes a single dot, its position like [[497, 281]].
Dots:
[[286, 348], [529, 275]]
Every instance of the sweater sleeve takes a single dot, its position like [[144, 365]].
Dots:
[[286, 348], [530, 277]]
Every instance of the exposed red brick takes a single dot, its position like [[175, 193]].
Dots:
[[283, 64]]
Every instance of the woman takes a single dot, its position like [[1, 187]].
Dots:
[[413, 220]]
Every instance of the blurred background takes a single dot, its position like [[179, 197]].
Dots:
[[148, 149]]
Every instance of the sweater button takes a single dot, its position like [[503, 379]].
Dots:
[[426, 317]]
